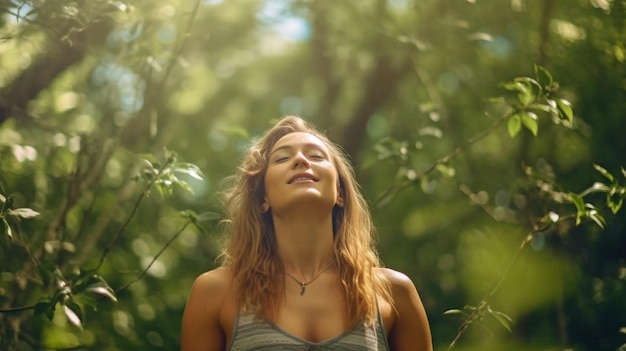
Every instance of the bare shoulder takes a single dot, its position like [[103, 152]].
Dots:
[[202, 325], [409, 327], [214, 281], [403, 291], [395, 278], [210, 288]]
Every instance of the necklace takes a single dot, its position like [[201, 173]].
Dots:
[[303, 285]]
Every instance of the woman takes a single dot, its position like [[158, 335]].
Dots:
[[299, 268]]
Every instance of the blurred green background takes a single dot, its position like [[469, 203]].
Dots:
[[89, 88]]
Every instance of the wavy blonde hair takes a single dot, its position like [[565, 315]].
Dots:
[[250, 248]]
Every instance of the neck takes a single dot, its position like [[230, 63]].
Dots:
[[305, 244]]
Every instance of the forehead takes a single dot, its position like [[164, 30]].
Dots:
[[300, 139]]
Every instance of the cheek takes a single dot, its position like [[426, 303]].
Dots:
[[270, 180]]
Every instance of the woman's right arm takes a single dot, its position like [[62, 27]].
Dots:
[[201, 329]]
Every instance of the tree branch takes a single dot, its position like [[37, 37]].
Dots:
[[380, 85], [169, 242], [60, 54], [442, 160], [17, 309]]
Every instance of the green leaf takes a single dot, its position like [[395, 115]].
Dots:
[[87, 300], [599, 187], [565, 109], [543, 76], [445, 170], [43, 306], [543, 107], [614, 200], [102, 289], [580, 206], [455, 311], [97, 285], [8, 228], [553, 105], [526, 97], [502, 318], [73, 313], [164, 188], [189, 169], [615, 206], [515, 86], [514, 125], [604, 172], [149, 158], [185, 186], [23, 212], [528, 81], [529, 120], [553, 216], [595, 216]]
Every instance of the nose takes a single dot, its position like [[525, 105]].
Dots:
[[301, 161]]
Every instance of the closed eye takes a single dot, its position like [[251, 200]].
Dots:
[[317, 157]]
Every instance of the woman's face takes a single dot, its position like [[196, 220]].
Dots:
[[300, 173]]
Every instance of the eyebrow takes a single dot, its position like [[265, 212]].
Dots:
[[306, 146]]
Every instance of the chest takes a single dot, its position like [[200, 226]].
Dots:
[[316, 315]]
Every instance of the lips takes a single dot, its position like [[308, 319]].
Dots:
[[302, 177]]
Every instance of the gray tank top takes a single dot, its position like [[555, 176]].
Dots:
[[252, 334]]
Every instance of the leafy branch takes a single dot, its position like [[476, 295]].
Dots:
[[531, 96], [615, 195], [85, 289]]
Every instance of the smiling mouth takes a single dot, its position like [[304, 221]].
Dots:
[[302, 179]]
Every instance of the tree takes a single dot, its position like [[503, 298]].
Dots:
[[110, 111]]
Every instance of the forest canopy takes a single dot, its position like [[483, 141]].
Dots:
[[487, 137]]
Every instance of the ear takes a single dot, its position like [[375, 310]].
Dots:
[[265, 206], [339, 201]]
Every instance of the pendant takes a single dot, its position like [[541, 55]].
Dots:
[[303, 288]]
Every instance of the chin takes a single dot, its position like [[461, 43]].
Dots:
[[310, 204]]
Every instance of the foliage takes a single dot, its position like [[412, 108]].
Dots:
[[510, 205]]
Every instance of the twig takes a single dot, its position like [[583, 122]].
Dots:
[[119, 233], [17, 309], [169, 242], [442, 160], [183, 42], [483, 303]]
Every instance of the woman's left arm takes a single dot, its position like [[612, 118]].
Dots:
[[410, 329]]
